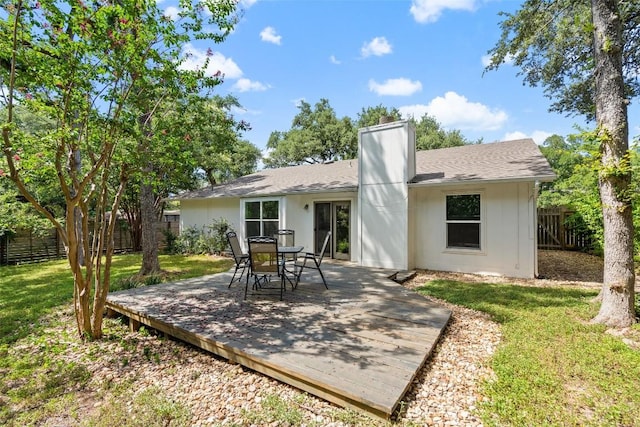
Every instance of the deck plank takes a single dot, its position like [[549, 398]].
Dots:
[[358, 344]]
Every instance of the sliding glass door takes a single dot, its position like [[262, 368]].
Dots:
[[334, 217]]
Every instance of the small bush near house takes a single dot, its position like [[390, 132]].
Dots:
[[218, 235], [211, 239]]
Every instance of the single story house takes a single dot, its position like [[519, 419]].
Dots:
[[464, 209]]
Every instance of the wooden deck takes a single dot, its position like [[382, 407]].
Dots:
[[358, 344]]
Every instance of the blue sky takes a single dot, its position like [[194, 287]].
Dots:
[[420, 56]]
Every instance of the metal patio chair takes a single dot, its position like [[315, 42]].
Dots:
[[313, 261], [241, 259], [264, 264], [286, 237]]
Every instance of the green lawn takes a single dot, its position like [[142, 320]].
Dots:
[[551, 368], [30, 291], [34, 383]]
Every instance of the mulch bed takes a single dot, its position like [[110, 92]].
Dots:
[[570, 266]]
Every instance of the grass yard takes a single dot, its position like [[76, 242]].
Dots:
[[551, 368], [36, 382]]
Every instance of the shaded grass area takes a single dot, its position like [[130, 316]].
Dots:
[[35, 383], [552, 367], [30, 291]]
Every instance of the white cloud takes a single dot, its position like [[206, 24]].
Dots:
[[378, 46], [539, 136], [395, 87], [486, 60], [246, 85], [270, 35], [218, 63], [238, 111], [172, 12], [297, 102], [425, 11], [247, 3], [334, 60], [455, 111]]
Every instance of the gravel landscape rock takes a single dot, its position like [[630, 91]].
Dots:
[[217, 393]]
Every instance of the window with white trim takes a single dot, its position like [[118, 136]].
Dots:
[[261, 217], [464, 221]]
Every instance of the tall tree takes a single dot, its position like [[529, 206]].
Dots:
[[79, 64], [585, 54], [371, 116], [190, 139], [219, 151], [15, 212], [612, 131], [317, 135], [431, 135]]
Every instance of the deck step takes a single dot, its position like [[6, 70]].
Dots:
[[403, 276]]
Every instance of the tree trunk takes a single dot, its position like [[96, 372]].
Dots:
[[102, 271], [132, 215], [617, 308], [150, 262]]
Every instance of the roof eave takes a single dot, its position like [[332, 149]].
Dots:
[[351, 188], [440, 183]]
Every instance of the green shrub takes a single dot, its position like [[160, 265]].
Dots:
[[218, 235], [170, 239], [211, 239]]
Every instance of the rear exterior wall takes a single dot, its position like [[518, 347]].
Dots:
[[507, 230]]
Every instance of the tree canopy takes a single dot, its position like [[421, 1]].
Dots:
[[217, 144], [96, 71], [551, 42], [430, 135], [15, 212], [585, 55], [317, 135]]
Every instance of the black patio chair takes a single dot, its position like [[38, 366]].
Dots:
[[241, 259], [286, 237], [313, 261], [264, 263]]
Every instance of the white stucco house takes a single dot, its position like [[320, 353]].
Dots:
[[465, 209]]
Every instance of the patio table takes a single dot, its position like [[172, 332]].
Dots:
[[287, 252]]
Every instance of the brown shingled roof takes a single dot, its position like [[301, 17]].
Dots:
[[519, 160], [320, 177]]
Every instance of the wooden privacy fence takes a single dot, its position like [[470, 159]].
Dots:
[[554, 231], [25, 246]]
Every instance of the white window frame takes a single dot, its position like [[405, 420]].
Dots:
[[261, 220], [481, 222]]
